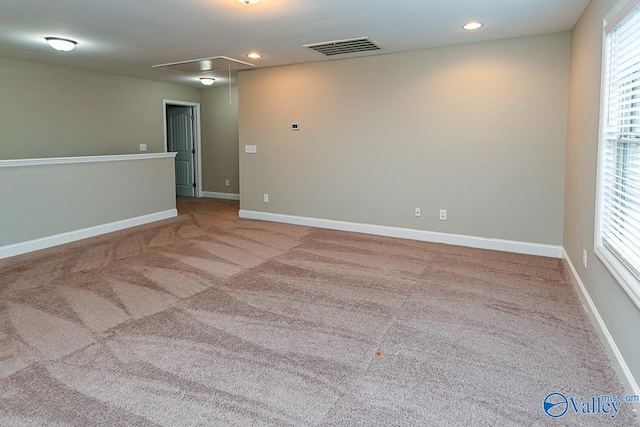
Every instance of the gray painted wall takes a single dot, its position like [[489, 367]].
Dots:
[[619, 313], [219, 139], [479, 130], [54, 199], [51, 111]]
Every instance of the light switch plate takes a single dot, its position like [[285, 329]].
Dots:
[[252, 149]]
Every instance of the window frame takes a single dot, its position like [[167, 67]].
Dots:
[[623, 275]]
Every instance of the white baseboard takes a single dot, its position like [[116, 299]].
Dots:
[[591, 307], [224, 196], [408, 233], [72, 236]]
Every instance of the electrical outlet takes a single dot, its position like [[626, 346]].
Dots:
[[226, 182], [417, 212], [443, 214], [584, 258], [266, 198], [143, 147]]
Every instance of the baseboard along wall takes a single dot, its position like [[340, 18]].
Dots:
[[223, 196], [412, 234], [75, 235], [608, 339]]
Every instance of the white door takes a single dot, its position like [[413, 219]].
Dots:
[[180, 140]]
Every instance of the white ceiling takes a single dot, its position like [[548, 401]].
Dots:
[[127, 37]]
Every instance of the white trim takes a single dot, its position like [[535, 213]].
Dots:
[[72, 236], [212, 58], [198, 136], [627, 281], [618, 13], [620, 272], [82, 159], [635, 389], [224, 196], [408, 233]]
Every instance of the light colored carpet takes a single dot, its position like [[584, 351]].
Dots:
[[208, 319]]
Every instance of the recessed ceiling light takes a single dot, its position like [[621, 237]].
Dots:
[[248, 1], [254, 55], [64, 45], [472, 26], [207, 81]]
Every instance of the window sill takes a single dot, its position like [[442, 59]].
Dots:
[[623, 276]]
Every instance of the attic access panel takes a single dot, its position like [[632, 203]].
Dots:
[[204, 65]]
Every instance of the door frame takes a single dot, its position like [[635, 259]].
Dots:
[[197, 161]]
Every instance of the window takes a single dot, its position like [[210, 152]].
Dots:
[[618, 224]]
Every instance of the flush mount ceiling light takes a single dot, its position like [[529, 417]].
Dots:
[[472, 26], [248, 1], [64, 45], [207, 81], [254, 55]]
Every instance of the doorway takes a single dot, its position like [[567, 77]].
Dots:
[[182, 136]]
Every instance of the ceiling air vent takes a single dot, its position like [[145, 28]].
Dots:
[[341, 47]]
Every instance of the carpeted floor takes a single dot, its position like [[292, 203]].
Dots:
[[208, 320]]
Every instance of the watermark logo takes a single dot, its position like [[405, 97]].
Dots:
[[556, 404]]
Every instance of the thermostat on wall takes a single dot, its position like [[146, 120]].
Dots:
[[295, 126]]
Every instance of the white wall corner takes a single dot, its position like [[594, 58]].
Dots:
[[223, 196], [72, 236], [590, 307]]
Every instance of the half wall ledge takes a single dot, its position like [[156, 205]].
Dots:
[[52, 201]]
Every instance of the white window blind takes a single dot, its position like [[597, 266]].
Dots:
[[619, 200]]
